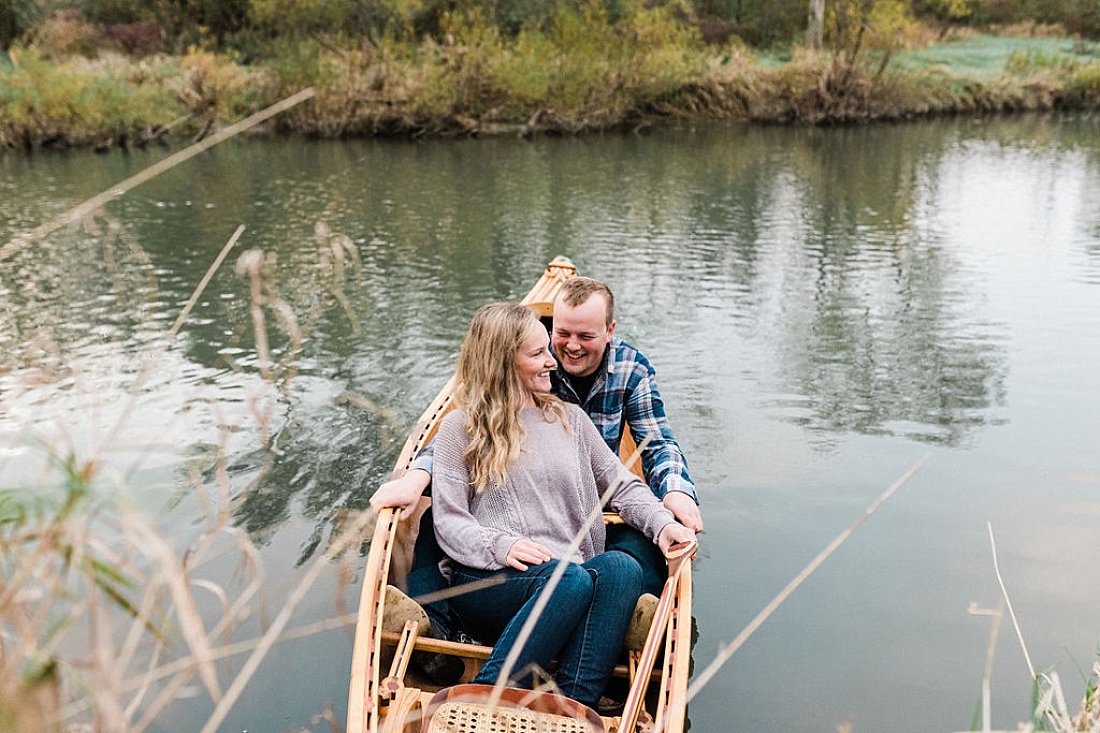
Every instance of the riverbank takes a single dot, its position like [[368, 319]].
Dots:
[[585, 78]]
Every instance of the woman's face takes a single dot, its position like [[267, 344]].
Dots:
[[534, 362]]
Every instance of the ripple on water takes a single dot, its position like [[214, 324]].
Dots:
[[818, 304]]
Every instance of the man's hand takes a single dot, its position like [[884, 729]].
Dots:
[[683, 507], [403, 492], [672, 534], [528, 551]]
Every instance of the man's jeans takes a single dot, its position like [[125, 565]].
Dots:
[[624, 538], [582, 626], [425, 577]]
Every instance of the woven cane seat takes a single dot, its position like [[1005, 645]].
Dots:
[[466, 717], [465, 709]]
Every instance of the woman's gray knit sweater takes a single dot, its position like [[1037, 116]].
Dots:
[[555, 483]]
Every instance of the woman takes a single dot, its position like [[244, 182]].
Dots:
[[516, 473]]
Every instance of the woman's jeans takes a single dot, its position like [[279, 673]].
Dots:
[[582, 626], [425, 578]]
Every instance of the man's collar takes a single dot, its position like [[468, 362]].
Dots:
[[606, 364]]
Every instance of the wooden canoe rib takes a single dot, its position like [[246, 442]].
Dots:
[[380, 701]]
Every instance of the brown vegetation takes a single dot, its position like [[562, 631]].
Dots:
[[106, 616], [475, 69]]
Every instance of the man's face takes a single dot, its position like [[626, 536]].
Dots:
[[581, 334]]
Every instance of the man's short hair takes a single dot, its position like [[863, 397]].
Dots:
[[577, 290]]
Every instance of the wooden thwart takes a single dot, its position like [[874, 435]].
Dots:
[[476, 652]]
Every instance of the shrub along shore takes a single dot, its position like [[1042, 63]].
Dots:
[[583, 72]]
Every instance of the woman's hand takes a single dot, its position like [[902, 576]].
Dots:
[[673, 534], [527, 551]]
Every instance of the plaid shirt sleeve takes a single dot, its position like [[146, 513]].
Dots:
[[425, 459], [663, 461]]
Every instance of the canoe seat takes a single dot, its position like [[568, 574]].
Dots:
[[465, 709], [465, 717]]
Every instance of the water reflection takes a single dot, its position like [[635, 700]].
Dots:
[[1088, 232], [889, 360], [100, 287], [822, 250], [826, 248], [875, 332], [875, 286]]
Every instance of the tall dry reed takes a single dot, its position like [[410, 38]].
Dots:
[[107, 617]]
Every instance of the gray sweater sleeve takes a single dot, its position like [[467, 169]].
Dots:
[[461, 536], [633, 500]]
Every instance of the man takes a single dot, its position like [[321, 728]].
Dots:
[[615, 384]]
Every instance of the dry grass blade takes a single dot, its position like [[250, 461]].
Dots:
[[187, 612], [142, 621], [728, 651], [1008, 601], [139, 697], [205, 280], [459, 590], [987, 674], [250, 264], [108, 705], [284, 314], [250, 557], [351, 537], [80, 211], [334, 250]]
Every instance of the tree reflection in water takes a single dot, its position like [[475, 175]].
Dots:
[[817, 252]]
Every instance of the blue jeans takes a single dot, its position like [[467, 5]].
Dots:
[[424, 576], [624, 538], [583, 625]]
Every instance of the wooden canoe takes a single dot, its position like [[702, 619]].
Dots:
[[384, 696]]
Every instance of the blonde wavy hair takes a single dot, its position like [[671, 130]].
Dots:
[[491, 394]]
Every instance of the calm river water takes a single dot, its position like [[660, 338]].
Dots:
[[823, 308]]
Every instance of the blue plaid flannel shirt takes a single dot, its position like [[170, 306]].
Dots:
[[626, 388]]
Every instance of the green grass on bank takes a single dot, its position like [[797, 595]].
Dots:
[[984, 57]]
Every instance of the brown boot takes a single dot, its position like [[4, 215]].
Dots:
[[640, 621], [399, 609], [442, 669]]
